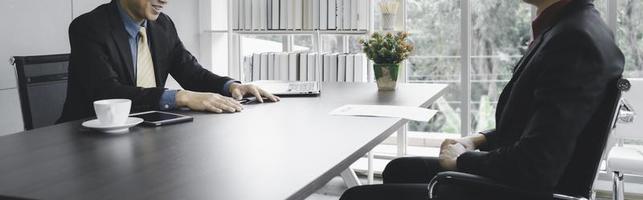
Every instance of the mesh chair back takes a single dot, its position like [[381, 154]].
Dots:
[[42, 86]]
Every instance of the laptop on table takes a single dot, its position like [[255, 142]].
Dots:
[[290, 88]]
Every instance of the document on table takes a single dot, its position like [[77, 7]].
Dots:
[[406, 112]]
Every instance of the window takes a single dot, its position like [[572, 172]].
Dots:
[[629, 35], [434, 28], [261, 43], [501, 31], [601, 6], [302, 43], [332, 43]]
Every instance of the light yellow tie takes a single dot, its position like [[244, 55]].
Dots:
[[144, 65]]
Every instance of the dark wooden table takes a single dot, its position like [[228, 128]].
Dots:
[[284, 150]]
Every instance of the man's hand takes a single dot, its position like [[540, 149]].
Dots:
[[472, 142], [201, 101], [238, 91], [449, 152]]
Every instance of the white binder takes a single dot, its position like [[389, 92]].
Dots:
[[303, 67], [350, 68], [326, 68], [332, 15], [298, 10], [248, 14], [312, 66], [333, 67], [283, 14], [293, 62], [262, 69], [323, 14], [275, 14], [346, 11], [255, 69], [235, 15], [341, 68]]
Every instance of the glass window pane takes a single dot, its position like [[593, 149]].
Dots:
[[601, 6], [377, 18], [434, 28], [261, 43], [332, 43], [630, 36], [445, 70], [302, 42], [501, 32], [353, 44]]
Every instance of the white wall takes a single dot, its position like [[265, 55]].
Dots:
[[37, 27]]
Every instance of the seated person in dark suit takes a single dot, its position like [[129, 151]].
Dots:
[[126, 49], [546, 107]]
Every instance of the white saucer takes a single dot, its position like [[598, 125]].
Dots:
[[95, 124]]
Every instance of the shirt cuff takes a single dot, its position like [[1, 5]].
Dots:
[[168, 100], [226, 87]]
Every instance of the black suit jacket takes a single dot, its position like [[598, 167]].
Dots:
[[101, 65], [548, 110]]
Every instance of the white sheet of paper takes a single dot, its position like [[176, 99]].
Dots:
[[406, 112]]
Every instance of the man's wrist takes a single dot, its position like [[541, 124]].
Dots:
[[232, 86], [478, 140], [181, 98], [228, 87]]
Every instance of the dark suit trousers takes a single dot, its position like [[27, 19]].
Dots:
[[404, 178]]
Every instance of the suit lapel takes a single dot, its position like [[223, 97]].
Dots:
[[525, 59], [121, 39], [533, 48], [154, 34]]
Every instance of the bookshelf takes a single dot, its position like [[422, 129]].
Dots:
[[236, 32]]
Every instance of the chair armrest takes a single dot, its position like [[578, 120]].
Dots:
[[458, 185], [626, 112]]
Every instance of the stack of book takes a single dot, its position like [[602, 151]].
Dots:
[[300, 14], [306, 66]]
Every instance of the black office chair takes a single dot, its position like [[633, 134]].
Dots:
[[42, 86], [457, 185]]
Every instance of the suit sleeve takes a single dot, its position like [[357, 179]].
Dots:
[[491, 136], [570, 87], [188, 72], [95, 72]]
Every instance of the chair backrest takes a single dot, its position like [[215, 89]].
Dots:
[[581, 170], [42, 86], [632, 130]]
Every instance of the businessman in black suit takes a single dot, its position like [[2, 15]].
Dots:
[[126, 49], [544, 111]]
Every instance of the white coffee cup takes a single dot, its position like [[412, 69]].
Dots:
[[112, 111]]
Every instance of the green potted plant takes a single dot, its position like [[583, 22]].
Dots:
[[387, 52]]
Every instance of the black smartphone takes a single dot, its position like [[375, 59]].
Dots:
[[160, 118]]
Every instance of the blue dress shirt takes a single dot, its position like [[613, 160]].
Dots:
[[168, 98]]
